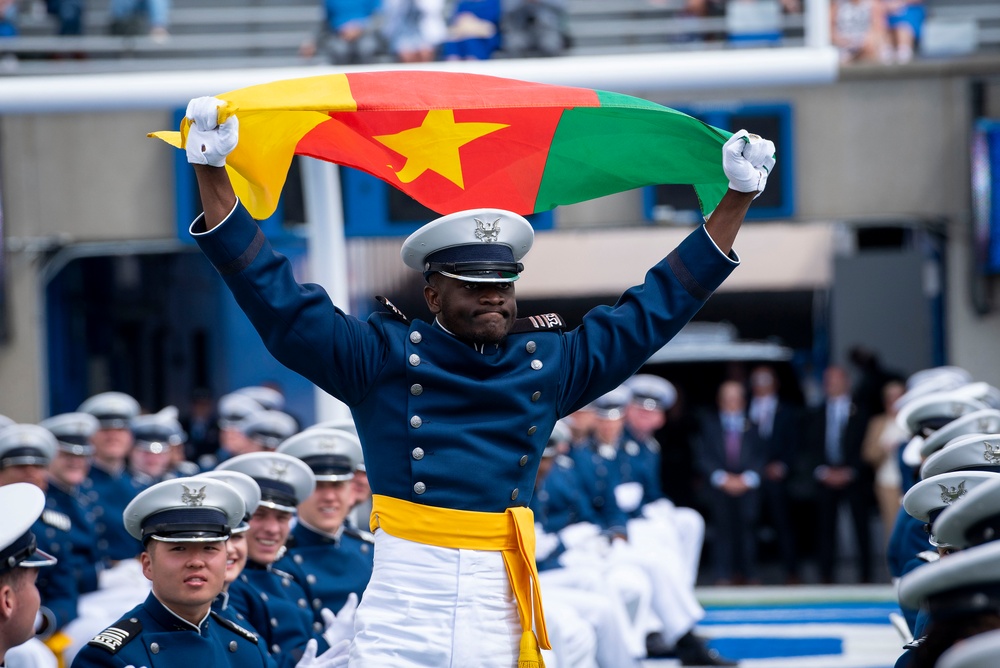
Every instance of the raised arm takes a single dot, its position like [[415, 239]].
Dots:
[[208, 144], [747, 160]]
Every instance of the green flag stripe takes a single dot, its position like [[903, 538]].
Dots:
[[627, 143]]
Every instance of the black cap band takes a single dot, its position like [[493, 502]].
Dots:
[[973, 599], [179, 523], [18, 551], [983, 531], [24, 456], [277, 492]]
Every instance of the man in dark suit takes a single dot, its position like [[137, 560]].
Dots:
[[731, 457], [834, 433], [777, 425]]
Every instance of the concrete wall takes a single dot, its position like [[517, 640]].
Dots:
[[879, 143]]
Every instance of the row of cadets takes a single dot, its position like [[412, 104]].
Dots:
[[577, 501], [271, 599], [20, 560], [336, 560], [184, 525]]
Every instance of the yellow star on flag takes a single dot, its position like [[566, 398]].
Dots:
[[434, 145]]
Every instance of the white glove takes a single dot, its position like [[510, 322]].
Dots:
[[747, 160], [575, 535], [335, 657], [340, 626], [208, 143], [545, 543], [628, 495]]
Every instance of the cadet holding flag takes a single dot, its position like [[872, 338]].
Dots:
[[454, 415]]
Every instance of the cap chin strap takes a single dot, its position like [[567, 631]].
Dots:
[[480, 279]]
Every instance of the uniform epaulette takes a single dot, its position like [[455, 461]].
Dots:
[[113, 638], [282, 574], [358, 533], [915, 643], [930, 556], [565, 461], [57, 519], [399, 315], [534, 323], [234, 627]]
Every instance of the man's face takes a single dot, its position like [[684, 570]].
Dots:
[[153, 464], [328, 505], [36, 474], [732, 398], [362, 490], [20, 599], [474, 312], [111, 445], [235, 442], [69, 469], [185, 576], [643, 421], [267, 534], [608, 430], [236, 556]]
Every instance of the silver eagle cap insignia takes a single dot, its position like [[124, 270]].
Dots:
[[192, 497], [487, 232]]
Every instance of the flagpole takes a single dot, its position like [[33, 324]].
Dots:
[[327, 252]]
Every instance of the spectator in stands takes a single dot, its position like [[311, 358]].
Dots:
[[348, 34], [414, 28], [904, 18], [8, 18], [858, 30], [534, 27], [69, 14], [129, 17], [879, 449], [473, 30]]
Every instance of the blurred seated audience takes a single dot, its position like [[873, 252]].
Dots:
[[473, 30], [348, 34], [68, 14], [534, 27], [414, 29], [858, 30], [904, 19], [133, 17], [8, 18]]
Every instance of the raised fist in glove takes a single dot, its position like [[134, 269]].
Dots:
[[747, 160], [208, 142], [340, 626]]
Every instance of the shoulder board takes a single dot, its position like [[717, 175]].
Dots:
[[282, 574], [358, 533], [534, 323], [392, 309], [915, 643], [565, 461], [234, 627], [113, 638], [57, 519], [929, 556]]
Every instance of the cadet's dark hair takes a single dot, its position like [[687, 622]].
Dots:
[[14, 578]]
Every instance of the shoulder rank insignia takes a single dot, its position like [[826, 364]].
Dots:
[[929, 556], [534, 323], [358, 533], [234, 627], [915, 643], [57, 519], [113, 638], [392, 309]]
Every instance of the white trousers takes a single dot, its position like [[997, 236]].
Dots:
[[435, 606]]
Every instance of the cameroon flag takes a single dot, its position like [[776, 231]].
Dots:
[[456, 141]]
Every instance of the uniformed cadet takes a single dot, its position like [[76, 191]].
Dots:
[[665, 526], [67, 471], [109, 486], [25, 453], [157, 437], [268, 397], [271, 600], [477, 392], [960, 593], [979, 651], [182, 525], [20, 559], [266, 429], [336, 560], [232, 408]]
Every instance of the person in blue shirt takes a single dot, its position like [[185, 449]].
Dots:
[[335, 559], [453, 414]]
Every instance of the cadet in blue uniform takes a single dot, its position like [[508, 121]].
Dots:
[[19, 561], [271, 599], [183, 525], [25, 453], [335, 559], [67, 471], [454, 415], [108, 485]]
